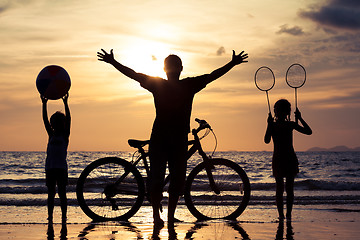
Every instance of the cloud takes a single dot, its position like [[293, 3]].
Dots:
[[295, 31], [9, 4], [250, 15], [342, 14], [348, 43], [349, 99], [220, 51], [4, 6]]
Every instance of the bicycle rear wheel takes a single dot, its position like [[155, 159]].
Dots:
[[232, 182], [110, 189]]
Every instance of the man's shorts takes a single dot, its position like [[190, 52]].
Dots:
[[57, 176], [171, 151]]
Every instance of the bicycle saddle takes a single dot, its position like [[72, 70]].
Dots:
[[137, 143]]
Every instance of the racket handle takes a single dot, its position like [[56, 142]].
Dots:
[[296, 106], [267, 96]]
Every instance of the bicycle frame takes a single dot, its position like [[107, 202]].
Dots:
[[196, 147], [121, 185]]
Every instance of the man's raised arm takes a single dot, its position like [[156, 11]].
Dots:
[[109, 58], [236, 60]]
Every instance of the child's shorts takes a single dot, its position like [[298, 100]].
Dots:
[[57, 176]]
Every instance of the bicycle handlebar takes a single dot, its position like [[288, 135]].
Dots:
[[203, 124]]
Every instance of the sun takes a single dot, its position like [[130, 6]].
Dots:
[[146, 57]]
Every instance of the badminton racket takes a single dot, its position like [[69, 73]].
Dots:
[[296, 78], [265, 81]]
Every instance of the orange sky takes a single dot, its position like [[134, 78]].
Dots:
[[107, 108]]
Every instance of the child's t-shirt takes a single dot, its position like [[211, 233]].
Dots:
[[284, 162], [56, 152]]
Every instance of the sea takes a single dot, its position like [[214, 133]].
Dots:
[[331, 178]]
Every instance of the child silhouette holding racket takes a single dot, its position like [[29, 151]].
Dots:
[[58, 130], [284, 161], [173, 100]]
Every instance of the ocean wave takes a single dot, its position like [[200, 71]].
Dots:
[[311, 184], [37, 186], [30, 190], [254, 200], [327, 185]]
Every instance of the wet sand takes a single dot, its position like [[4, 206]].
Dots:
[[257, 222]]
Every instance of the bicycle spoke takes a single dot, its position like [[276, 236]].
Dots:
[[229, 179], [101, 194]]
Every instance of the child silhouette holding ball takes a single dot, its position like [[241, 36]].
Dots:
[[58, 129], [284, 161]]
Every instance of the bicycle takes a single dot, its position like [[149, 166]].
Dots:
[[112, 188]]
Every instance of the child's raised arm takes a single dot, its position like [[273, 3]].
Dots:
[[268, 132], [67, 114], [45, 115], [305, 128]]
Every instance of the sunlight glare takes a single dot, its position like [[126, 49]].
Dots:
[[146, 57]]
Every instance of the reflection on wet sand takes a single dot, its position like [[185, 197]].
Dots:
[[114, 230], [280, 231], [51, 234], [219, 229]]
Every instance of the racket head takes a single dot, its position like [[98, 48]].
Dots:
[[296, 75], [264, 78]]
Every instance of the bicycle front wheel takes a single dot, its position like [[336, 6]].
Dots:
[[110, 189], [233, 188]]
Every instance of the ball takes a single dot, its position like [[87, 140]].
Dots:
[[53, 82]]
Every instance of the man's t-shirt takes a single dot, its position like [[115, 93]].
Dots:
[[173, 102]]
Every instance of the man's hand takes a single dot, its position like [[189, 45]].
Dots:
[[106, 57], [237, 59]]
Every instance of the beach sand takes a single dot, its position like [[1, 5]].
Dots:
[[257, 222]]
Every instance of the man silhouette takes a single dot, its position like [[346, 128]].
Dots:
[[173, 100]]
